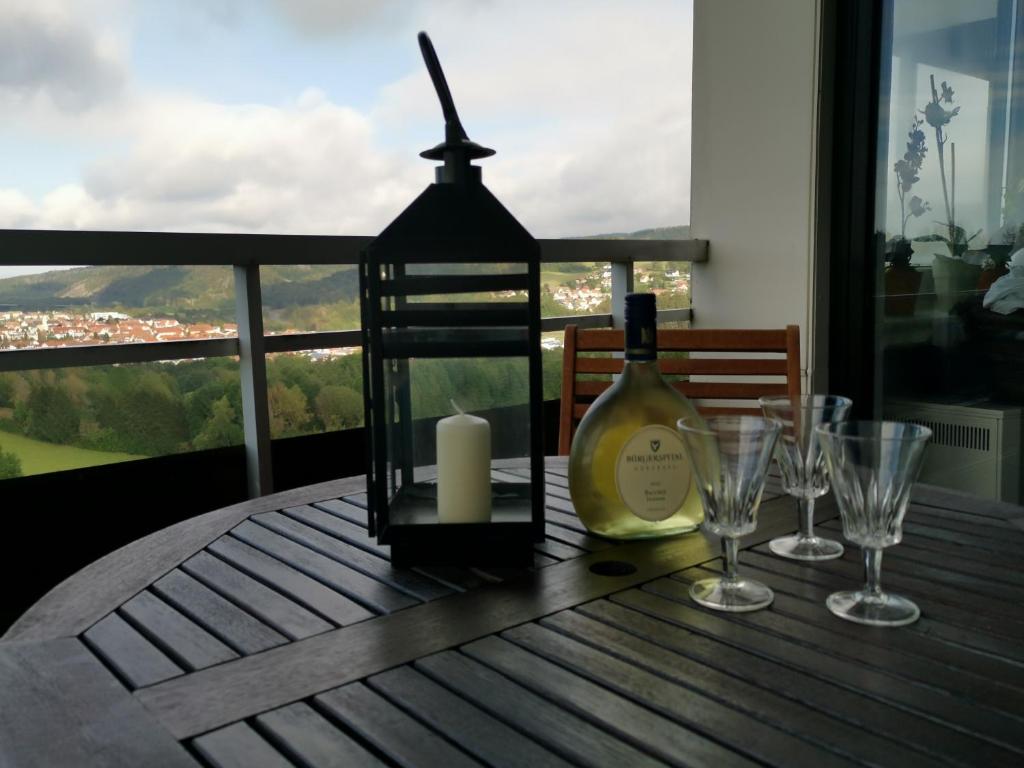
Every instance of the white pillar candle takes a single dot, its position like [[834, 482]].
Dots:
[[463, 469]]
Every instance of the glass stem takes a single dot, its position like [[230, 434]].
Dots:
[[806, 518], [873, 571], [730, 550]]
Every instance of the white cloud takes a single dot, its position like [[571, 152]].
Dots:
[[305, 167], [321, 18], [47, 53], [588, 109]]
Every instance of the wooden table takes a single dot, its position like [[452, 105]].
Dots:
[[276, 633]]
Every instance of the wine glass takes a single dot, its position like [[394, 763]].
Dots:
[[803, 467], [730, 457], [873, 465]]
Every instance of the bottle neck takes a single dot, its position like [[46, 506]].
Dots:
[[641, 340]]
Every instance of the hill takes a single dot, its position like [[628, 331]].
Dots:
[[305, 297]]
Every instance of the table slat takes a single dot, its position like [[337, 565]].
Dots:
[[348, 522], [1000, 530], [309, 592], [314, 741], [915, 682], [954, 624], [284, 615], [654, 619], [394, 733], [909, 656], [606, 709], [926, 638], [489, 739], [404, 580], [180, 637], [239, 746], [1001, 616], [373, 594], [131, 655], [556, 728], [734, 688], [223, 619], [696, 710], [879, 684]]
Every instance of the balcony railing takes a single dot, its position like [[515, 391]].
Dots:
[[246, 253]]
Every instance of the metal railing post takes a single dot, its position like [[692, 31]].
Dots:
[[622, 283], [253, 371]]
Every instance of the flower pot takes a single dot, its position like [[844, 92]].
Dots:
[[955, 280], [989, 276], [902, 283]]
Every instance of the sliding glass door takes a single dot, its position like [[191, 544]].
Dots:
[[947, 333]]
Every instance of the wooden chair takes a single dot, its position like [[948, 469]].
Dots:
[[785, 370]]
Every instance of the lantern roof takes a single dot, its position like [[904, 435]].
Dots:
[[456, 219], [451, 223]]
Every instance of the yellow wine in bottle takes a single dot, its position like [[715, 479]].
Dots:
[[628, 473]]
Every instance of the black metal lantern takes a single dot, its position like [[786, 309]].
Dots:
[[450, 298]]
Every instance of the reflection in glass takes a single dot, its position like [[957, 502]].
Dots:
[[950, 209]]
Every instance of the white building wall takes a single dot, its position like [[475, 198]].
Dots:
[[755, 82]]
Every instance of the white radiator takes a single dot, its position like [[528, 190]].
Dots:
[[974, 448]]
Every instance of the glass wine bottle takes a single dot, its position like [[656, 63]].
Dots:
[[628, 473]]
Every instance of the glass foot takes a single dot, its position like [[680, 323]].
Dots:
[[800, 547], [735, 596], [885, 610]]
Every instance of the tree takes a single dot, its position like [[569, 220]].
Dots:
[[145, 413], [221, 429], [199, 403], [289, 410], [10, 465], [6, 390], [339, 407], [50, 414]]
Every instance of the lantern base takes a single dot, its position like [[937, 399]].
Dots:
[[417, 537], [512, 548]]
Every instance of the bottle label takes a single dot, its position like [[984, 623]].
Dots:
[[652, 473]]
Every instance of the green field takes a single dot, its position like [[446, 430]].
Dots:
[[552, 278], [38, 457]]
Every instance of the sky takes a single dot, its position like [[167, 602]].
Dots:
[[307, 116]]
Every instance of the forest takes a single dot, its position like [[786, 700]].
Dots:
[[155, 409]]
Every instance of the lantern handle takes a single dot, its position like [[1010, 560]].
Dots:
[[456, 142], [452, 125]]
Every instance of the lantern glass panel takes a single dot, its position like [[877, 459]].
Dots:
[[420, 394]]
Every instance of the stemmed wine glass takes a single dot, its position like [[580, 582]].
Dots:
[[873, 465], [730, 457], [803, 467]]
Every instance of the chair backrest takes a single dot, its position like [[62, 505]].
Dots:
[[723, 377]]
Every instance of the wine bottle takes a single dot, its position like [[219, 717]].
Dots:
[[629, 477]]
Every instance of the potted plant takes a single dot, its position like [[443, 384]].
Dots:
[[902, 281], [952, 275]]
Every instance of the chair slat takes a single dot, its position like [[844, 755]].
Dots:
[[599, 365], [701, 366], [600, 340], [718, 410], [702, 340], [591, 388], [727, 390], [705, 366]]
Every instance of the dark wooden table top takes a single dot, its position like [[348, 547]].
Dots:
[[276, 633]]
